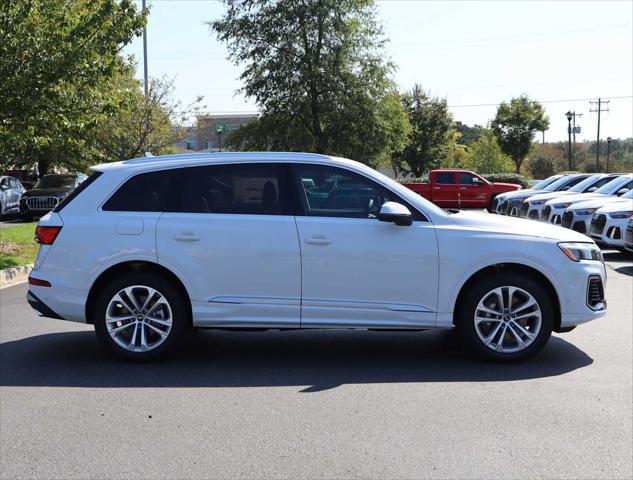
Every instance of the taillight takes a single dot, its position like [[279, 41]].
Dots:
[[46, 235], [39, 283]]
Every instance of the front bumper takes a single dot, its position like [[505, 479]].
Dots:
[[612, 234]]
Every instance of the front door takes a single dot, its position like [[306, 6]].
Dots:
[[356, 270], [231, 233], [471, 195]]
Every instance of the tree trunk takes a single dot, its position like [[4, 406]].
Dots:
[[42, 166]]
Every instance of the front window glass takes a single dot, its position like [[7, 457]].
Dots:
[[585, 184], [466, 178], [335, 192], [548, 181]]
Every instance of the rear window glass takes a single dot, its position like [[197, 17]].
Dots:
[[445, 177]]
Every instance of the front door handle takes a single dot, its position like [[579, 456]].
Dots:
[[187, 237], [318, 241]]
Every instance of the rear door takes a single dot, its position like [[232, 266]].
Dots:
[[444, 189], [230, 233]]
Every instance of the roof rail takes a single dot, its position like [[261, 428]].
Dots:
[[206, 155]]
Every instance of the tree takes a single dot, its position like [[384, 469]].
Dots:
[[140, 123], [431, 133], [485, 155], [515, 126], [317, 73], [55, 59], [468, 134], [542, 166]]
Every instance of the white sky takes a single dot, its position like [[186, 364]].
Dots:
[[472, 53]]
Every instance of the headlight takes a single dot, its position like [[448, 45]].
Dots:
[[581, 251], [562, 205], [586, 211], [622, 214], [537, 202]]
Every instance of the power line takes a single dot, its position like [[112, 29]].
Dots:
[[541, 101]]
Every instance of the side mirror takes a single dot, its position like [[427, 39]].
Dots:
[[592, 189], [395, 213], [477, 182], [622, 191], [4, 186], [564, 188]]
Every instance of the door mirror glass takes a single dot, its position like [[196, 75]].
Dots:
[[592, 189], [622, 191], [395, 213], [477, 182]]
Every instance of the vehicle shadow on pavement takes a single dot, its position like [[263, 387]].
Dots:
[[318, 359]]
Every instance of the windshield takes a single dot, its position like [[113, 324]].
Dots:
[[585, 184], [561, 182], [56, 181], [544, 183], [614, 185]]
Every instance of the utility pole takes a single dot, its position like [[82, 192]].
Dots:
[[599, 110], [145, 53], [574, 125], [609, 139]]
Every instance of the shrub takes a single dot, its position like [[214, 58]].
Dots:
[[542, 166], [507, 178]]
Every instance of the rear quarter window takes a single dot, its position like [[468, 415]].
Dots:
[[145, 192]]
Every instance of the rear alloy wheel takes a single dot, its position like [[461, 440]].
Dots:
[[506, 317], [140, 317]]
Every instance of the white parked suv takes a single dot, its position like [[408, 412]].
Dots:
[[609, 223], [146, 248]]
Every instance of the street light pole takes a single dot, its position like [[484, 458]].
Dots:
[[569, 116], [145, 54], [608, 151]]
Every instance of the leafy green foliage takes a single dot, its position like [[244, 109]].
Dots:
[[542, 166], [485, 155], [55, 60], [317, 72], [468, 134], [515, 126], [431, 134], [507, 178]]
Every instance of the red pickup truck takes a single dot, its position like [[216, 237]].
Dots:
[[460, 189]]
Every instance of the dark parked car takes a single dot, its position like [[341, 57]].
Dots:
[[47, 193]]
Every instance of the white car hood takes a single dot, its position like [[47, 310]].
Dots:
[[518, 194], [596, 203], [579, 197], [625, 204], [549, 196], [499, 224]]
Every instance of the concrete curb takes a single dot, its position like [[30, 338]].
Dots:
[[14, 275]]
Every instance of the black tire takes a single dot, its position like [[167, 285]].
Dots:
[[179, 308], [465, 323], [492, 199]]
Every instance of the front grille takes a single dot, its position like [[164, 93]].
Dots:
[[597, 224], [595, 294], [628, 236], [503, 209], [524, 209], [533, 215], [580, 227], [545, 213], [567, 219], [42, 203]]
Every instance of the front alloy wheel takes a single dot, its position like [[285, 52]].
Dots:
[[506, 316], [507, 319]]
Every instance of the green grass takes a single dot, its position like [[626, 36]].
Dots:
[[17, 246]]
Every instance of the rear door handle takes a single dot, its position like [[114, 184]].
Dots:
[[318, 241], [187, 237]]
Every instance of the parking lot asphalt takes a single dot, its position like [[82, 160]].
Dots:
[[314, 404]]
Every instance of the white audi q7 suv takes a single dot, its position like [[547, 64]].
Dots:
[[147, 248]]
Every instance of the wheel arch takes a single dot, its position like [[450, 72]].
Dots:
[[518, 268], [133, 266]]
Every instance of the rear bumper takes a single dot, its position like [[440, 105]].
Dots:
[[40, 307]]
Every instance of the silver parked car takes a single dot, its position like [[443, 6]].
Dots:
[[10, 192]]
